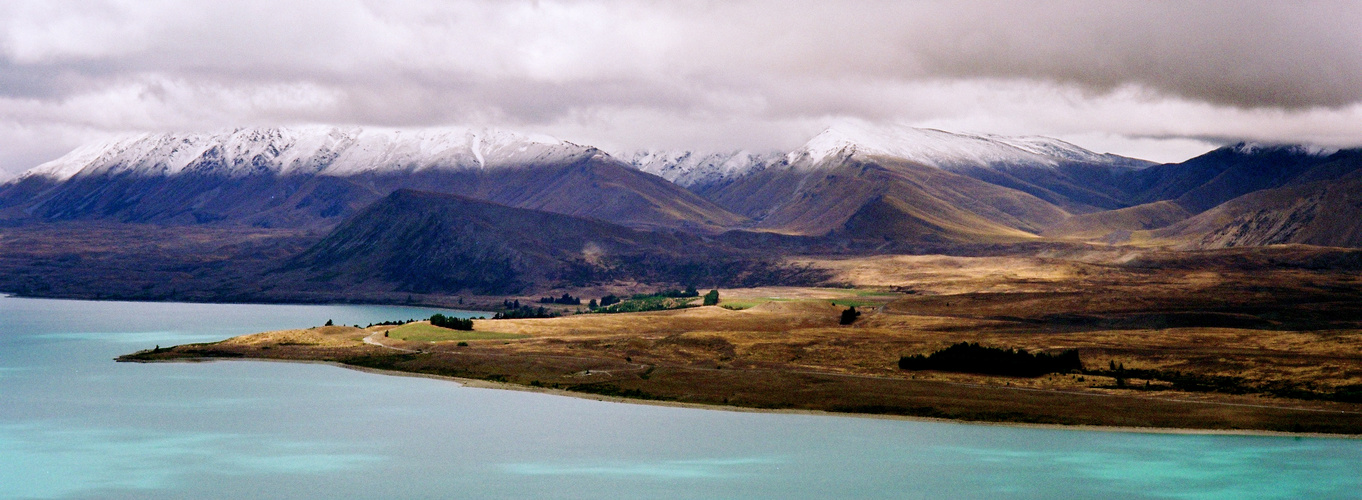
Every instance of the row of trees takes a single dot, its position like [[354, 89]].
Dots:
[[513, 309], [565, 300], [969, 357], [690, 291], [391, 323], [526, 312]]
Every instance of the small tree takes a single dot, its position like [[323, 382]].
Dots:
[[712, 298], [329, 323], [592, 305], [849, 316]]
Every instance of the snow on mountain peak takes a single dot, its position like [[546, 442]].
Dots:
[[689, 168], [309, 149], [1249, 148], [937, 148]]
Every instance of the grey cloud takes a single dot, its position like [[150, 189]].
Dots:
[[686, 64], [1244, 54], [1238, 53]]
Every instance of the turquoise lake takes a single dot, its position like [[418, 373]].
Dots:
[[75, 424]]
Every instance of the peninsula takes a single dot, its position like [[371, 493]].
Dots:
[[1232, 339]]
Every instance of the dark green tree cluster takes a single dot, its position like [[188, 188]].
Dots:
[[525, 312], [969, 357], [565, 300], [849, 316], [671, 293], [451, 322], [712, 298], [608, 300], [648, 304]]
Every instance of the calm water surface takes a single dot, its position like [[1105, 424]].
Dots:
[[74, 424]]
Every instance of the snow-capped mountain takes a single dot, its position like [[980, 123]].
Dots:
[[960, 153], [307, 150], [1249, 148], [691, 168], [314, 176], [947, 150], [1050, 169]]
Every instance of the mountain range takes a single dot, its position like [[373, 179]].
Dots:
[[315, 177], [495, 211]]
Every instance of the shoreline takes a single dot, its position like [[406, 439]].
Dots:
[[260, 302], [487, 384]]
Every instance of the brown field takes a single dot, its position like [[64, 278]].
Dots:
[[1275, 347]]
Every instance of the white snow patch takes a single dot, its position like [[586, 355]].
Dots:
[[316, 150], [937, 148], [690, 168]]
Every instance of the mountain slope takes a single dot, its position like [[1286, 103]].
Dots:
[[1208, 180], [314, 176], [1223, 177], [426, 242], [1327, 213], [1116, 225], [1065, 175], [879, 198]]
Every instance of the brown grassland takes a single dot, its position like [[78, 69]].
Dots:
[[1211, 340]]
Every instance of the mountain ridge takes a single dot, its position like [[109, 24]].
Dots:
[[851, 181], [314, 176]]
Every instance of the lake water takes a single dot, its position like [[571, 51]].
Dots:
[[75, 424]]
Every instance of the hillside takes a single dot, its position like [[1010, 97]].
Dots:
[[440, 243], [1201, 183], [885, 199], [1326, 213], [1115, 226]]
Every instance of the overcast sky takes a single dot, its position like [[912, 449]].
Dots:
[[1158, 80]]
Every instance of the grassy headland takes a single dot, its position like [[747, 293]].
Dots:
[[1179, 342]]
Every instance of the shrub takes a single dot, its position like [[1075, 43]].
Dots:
[[712, 298], [849, 316]]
